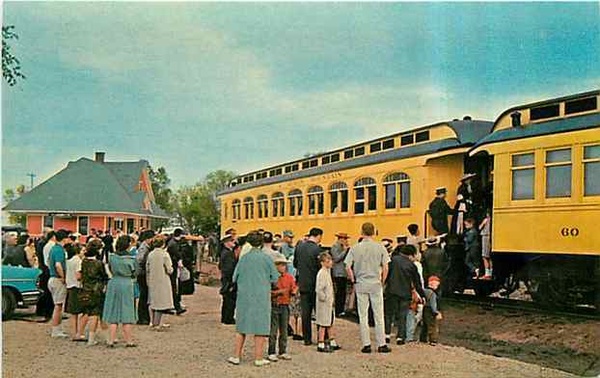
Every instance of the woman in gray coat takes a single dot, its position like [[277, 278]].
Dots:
[[158, 271]]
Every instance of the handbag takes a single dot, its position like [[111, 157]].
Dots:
[[184, 274]]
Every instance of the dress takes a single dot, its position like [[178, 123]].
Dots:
[[93, 279], [119, 306], [158, 275], [254, 274]]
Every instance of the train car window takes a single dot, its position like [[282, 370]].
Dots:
[[375, 147], [315, 200], [335, 157], [591, 170], [348, 154], [248, 208], [325, 160], [235, 209], [407, 139], [278, 204], [338, 197], [365, 192], [581, 105], [295, 167], [543, 112], [262, 202], [359, 151], [278, 172], [397, 184], [523, 176], [288, 169], [225, 207], [295, 200], [314, 163], [422, 136], [305, 164], [388, 144], [558, 173]]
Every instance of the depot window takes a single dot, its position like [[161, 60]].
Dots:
[[278, 203], [365, 195], [49, 221], [262, 202], [295, 200], [397, 190], [523, 176], [316, 200], [338, 197], [248, 208], [558, 173], [82, 225], [591, 170]]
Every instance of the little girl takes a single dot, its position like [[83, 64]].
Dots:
[[325, 304]]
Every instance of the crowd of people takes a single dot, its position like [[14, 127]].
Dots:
[[267, 279], [107, 279]]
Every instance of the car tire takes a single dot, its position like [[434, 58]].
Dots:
[[9, 303]]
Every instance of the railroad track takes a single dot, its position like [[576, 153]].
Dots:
[[491, 303]]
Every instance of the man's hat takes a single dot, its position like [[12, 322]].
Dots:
[[432, 241], [433, 279], [342, 235], [440, 190], [230, 230], [280, 260], [288, 233], [226, 238], [467, 176]]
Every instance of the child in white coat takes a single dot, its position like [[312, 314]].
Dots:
[[325, 304]]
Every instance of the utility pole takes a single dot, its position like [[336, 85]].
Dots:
[[31, 176]]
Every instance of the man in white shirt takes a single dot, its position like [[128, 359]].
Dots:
[[367, 266]]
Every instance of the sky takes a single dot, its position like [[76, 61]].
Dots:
[[197, 87]]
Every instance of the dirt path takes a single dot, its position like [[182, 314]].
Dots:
[[197, 345]]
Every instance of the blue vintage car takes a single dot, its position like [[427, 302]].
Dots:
[[19, 288]]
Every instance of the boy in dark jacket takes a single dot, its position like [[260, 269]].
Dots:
[[431, 312], [472, 247]]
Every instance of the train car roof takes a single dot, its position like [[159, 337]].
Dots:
[[467, 131], [556, 126]]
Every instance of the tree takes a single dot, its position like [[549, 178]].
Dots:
[[11, 195], [11, 66], [198, 205], [163, 195]]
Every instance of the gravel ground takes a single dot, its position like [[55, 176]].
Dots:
[[198, 345]]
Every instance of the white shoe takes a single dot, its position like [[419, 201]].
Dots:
[[262, 362], [273, 358], [285, 356], [233, 360]]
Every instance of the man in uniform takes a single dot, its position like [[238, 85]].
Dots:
[[227, 264], [174, 250], [287, 249], [439, 211]]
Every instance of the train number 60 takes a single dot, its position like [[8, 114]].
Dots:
[[566, 232]]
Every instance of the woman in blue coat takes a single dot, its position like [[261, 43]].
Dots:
[[254, 275], [119, 306]]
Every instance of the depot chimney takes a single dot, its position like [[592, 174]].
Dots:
[[100, 157]]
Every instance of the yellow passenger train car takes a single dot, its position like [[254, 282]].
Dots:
[[389, 181], [543, 162]]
